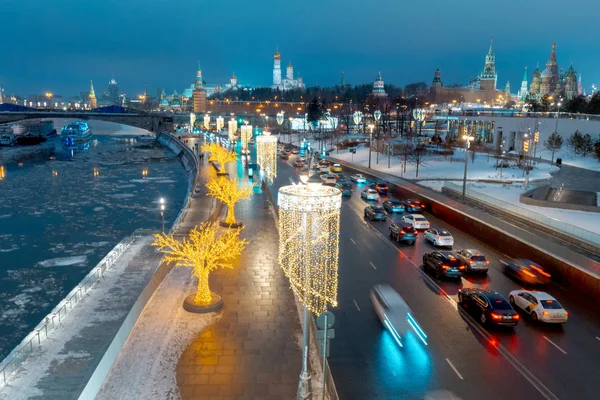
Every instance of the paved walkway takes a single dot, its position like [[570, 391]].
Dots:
[[253, 351]]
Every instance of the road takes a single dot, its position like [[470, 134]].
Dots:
[[533, 361]]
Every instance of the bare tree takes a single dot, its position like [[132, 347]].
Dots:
[[418, 156], [404, 151]]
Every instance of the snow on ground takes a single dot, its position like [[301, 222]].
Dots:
[[589, 221], [440, 167], [146, 366], [570, 158]]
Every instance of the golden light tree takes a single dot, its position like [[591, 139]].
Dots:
[[219, 154], [229, 192], [204, 251]]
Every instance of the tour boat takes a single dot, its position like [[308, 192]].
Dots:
[[76, 132]]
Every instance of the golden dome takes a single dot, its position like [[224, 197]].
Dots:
[[277, 56]]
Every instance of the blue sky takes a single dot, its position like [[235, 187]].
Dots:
[[61, 45]]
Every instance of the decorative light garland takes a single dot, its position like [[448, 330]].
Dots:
[[206, 122], [246, 135], [220, 123], [309, 226], [232, 125], [266, 155]]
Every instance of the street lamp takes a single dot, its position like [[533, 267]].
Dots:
[[377, 116], [371, 126], [467, 140], [162, 212], [309, 223]]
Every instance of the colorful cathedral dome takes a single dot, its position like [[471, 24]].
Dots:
[[546, 73]]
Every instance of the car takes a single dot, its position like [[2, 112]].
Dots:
[[473, 260], [198, 189], [298, 164], [341, 178], [358, 178], [526, 271], [336, 168], [328, 178], [346, 188], [369, 194], [381, 187], [323, 170], [443, 264], [413, 206], [295, 151], [284, 156], [539, 305], [395, 315], [375, 213], [439, 237], [416, 220], [488, 307], [403, 233], [324, 163], [393, 206]]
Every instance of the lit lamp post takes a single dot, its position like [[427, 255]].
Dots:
[[266, 155], [468, 139], [162, 212], [192, 122], [371, 126], [419, 115], [309, 223], [526, 149], [377, 116], [557, 115], [280, 118], [357, 118]]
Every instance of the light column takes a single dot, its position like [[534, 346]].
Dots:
[[309, 224], [245, 136], [206, 122], [232, 129], [266, 155], [220, 123]]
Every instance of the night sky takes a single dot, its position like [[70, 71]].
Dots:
[[60, 45]]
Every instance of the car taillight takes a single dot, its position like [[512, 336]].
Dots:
[[515, 316], [412, 205], [461, 267], [445, 267], [496, 316], [545, 313], [487, 261], [471, 262], [528, 273], [547, 275], [402, 232], [566, 314]]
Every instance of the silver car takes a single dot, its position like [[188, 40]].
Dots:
[[474, 260]]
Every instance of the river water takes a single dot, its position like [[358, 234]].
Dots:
[[62, 211]]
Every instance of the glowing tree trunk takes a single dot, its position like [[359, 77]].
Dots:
[[229, 193], [230, 219], [203, 294]]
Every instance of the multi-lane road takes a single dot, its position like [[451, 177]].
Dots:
[[532, 361]]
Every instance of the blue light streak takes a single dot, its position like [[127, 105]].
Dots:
[[420, 333], [392, 331]]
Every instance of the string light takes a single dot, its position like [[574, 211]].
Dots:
[[228, 191], [266, 155], [232, 125], [220, 123], [219, 154], [206, 122], [246, 135], [309, 226], [203, 251]]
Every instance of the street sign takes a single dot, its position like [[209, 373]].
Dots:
[[326, 316], [321, 334], [324, 347], [353, 151]]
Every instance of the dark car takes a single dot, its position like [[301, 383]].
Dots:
[[284, 156], [325, 163], [393, 206], [443, 264], [402, 232], [474, 260], [298, 163], [413, 206], [488, 307], [346, 188], [375, 213], [381, 187], [526, 271], [341, 178]]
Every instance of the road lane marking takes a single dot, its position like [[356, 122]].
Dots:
[[352, 240], [597, 337], [555, 345], [373, 265], [356, 304], [454, 368]]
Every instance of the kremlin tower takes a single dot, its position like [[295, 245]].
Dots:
[[92, 97], [277, 70], [199, 94]]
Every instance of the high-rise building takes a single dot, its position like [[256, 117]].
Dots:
[[114, 93], [1, 94], [92, 96], [199, 94]]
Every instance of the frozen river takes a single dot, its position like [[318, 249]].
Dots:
[[62, 211]]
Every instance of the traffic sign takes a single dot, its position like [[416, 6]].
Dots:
[[353, 151], [326, 316]]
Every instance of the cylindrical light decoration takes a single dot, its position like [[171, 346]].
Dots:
[[309, 226], [192, 121], [232, 126], [206, 121], [246, 135], [419, 114], [220, 123], [357, 117], [266, 155], [279, 118]]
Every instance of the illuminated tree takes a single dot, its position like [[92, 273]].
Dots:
[[219, 154], [228, 191], [204, 251]]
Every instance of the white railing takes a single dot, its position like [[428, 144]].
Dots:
[[526, 213], [39, 334]]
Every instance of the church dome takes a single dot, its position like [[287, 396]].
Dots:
[[546, 73]]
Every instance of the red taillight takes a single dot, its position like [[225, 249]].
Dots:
[[412, 205], [566, 314], [445, 267], [461, 267], [545, 313], [402, 232], [471, 262], [487, 261], [547, 275], [528, 274], [516, 316], [496, 316]]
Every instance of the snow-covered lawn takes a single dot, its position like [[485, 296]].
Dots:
[[145, 367], [570, 158], [510, 194], [440, 167]]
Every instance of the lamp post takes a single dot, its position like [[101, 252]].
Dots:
[[371, 126], [377, 116], [192, 122], [162, 212], [467, 140], [557, 114], [279, 119], [308, 253]]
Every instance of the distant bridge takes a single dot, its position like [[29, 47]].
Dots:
[[151, 122]]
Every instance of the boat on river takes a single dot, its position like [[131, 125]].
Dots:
[[75, 133]]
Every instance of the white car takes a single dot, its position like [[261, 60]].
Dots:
[[358, 178], [369, 194], [416, 220], [539, 305], [328, 178], [439, 237]]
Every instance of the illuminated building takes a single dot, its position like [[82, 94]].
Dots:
[[92, 96], [378, 86], [199, 93], [289, 82], [114, 94]]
